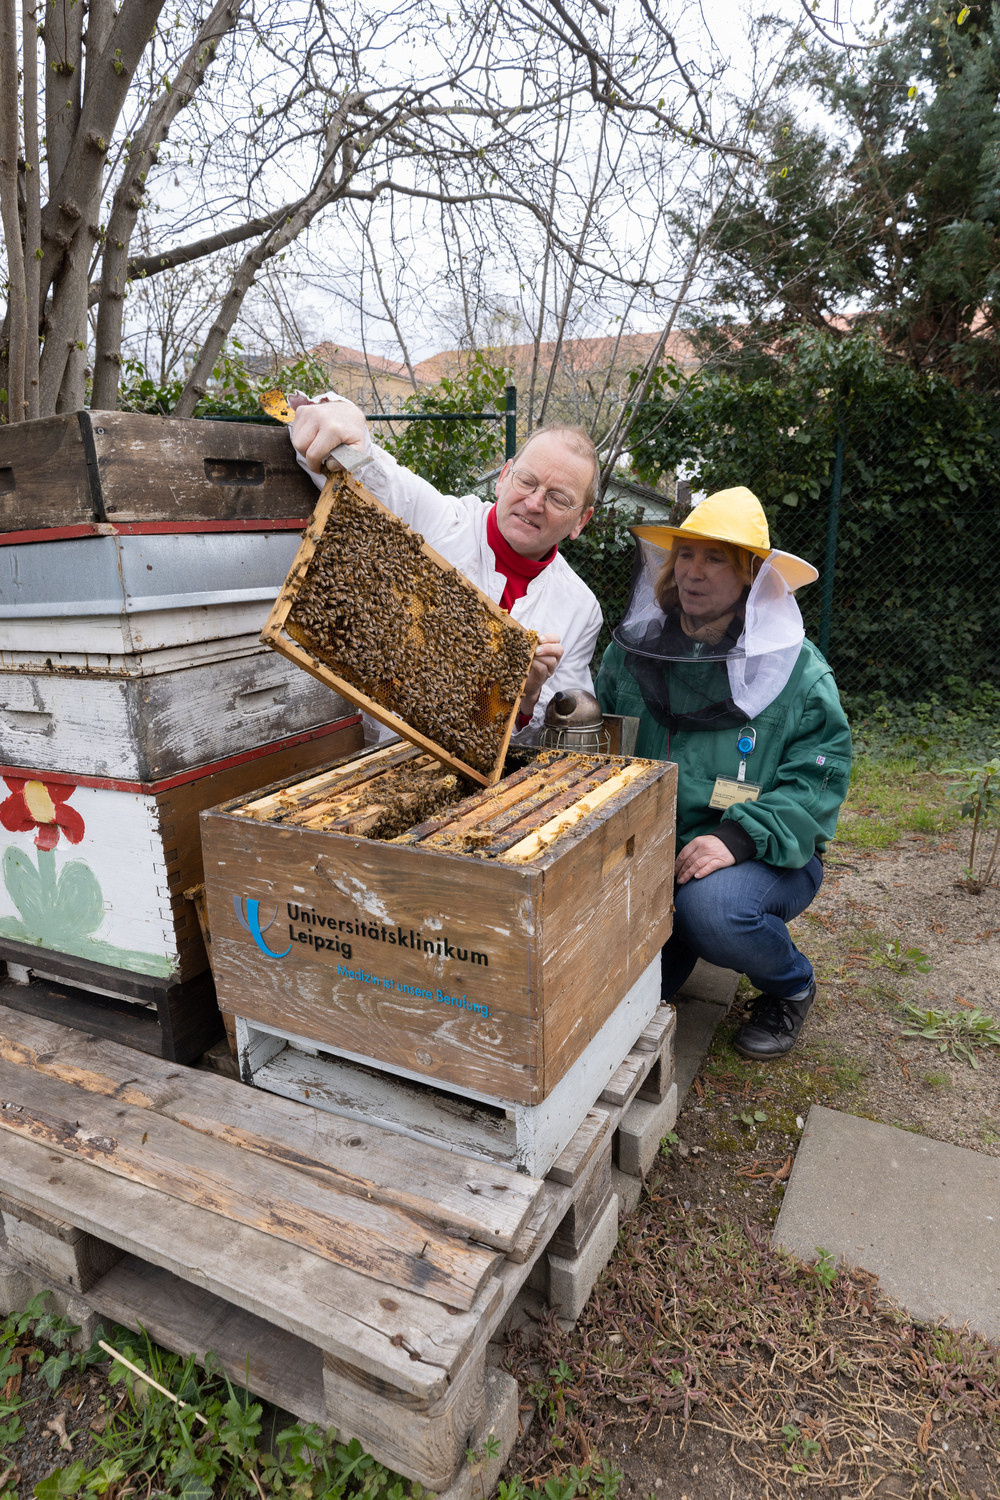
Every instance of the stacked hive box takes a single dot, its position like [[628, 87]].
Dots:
[[138, 560], [503, 949]]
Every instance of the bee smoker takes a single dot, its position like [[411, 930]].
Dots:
[[573, 721]]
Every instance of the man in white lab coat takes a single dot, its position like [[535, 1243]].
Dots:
[[544, 495]]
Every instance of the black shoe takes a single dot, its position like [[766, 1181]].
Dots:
[[773, 1025]]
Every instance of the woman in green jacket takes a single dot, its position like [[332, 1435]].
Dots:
[[712, 658]]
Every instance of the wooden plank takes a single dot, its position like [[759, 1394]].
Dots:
[[361, 782], [582, 1149], [178, 810], [624, 1083], [573, 1231], [154, 1151], [53, 1246], [655, 1034], [470, 805], [411, 1341], [427, 1445], [181, 470], [174, 1021], [508, 799], [486, 1203], [607, 898], [545, 1216], [283, 635], [539, 840], [288, 794], [254, 1353]]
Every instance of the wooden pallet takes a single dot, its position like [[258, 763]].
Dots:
[[348, 1274], [174, 1021]]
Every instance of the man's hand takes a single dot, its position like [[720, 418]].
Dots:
[[699, 858], [548, 654], [325, 425]]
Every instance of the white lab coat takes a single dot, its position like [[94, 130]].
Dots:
[[557, 602]]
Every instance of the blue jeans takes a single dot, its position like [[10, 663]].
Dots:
[[736, 918]]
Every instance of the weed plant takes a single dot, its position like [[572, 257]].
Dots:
[[197, 1438], [171, 1429], [959, 1032]]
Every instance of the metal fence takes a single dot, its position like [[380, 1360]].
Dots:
[[907, 603], [909, 592]]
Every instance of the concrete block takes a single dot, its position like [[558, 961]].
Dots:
[[17, 1288], [55, 1249], [922, 1214], [572, 1281], [642, 1127], [629, 1190], [476, 1479]]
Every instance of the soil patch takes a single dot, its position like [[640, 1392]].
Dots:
[[709, 1366]]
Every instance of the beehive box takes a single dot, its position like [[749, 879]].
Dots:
[[94, 868], [369, 608], [83, 469], [469, 953]]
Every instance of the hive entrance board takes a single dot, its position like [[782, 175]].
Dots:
[[369, 608]]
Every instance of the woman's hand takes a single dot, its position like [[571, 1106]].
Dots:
[[699, 858], [548, 654]]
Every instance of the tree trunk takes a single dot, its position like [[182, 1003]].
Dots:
[[17, 308], [128, 199]]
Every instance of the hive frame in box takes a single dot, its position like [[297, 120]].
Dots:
[[274, 633]]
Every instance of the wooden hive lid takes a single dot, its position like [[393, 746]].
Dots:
[[379, 616]]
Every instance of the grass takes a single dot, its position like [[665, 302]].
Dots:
[[890, 797]]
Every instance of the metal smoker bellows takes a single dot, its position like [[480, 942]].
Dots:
[[573, 721]]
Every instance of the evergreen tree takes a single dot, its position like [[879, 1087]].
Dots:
[[888, 212]]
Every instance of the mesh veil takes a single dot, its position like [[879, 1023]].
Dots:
[[692, 684]]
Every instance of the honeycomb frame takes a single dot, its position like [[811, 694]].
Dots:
[[493, 680]]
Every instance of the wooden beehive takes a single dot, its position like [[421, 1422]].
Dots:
[[481, 950], [75, 472], [369, 608]]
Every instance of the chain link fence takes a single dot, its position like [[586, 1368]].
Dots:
[[908, 598], [894, 494]]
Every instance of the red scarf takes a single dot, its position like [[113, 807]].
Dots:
[[517, 570]]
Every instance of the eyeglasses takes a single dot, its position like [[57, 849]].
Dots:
[[526, 484]]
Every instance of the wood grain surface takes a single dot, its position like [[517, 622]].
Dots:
[[468, 1199]]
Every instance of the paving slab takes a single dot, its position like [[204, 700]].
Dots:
[[922, 1215], [702, 1005]]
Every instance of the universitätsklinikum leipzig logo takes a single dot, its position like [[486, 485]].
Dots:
[[248, 916]]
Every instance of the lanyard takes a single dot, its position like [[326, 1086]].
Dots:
[[745, 744]]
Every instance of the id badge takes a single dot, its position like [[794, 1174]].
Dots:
[[728, 791]]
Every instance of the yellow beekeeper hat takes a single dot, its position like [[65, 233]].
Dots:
[[735, 516]]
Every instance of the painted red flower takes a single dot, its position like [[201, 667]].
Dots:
[[42, 805]]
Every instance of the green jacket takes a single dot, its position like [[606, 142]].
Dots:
[[802, 760]]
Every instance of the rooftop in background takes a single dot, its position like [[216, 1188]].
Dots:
[[579, 359], [584, 366], [368, 379]]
